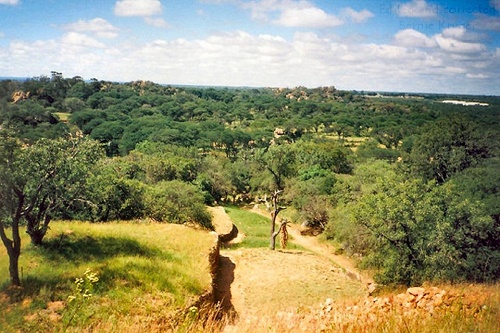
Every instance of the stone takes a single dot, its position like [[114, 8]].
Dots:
[[415, 291]]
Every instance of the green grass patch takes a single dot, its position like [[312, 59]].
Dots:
[[257, 228], [145, 271], [63, 116]]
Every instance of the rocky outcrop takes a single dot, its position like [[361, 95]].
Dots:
[[20, 96]]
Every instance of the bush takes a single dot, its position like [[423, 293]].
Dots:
[[177, 202]]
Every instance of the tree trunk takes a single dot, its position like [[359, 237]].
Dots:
[[37, 236], [37, 230], [272, 243], [274, 215], [283, 224], [14, 266], [13, 248]]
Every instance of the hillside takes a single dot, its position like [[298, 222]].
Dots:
[[147, 273]]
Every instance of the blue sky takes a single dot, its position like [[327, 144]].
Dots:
[[382, 45]]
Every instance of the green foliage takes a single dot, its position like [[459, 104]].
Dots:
[[370, 149], [413, 231], [115, 197], [309, 194], [467, 228], [181, 147], [325, 154], [47, 177], [214, 179], [279, 161], [30, 121], [449, 146], [391, 215], [176, 202]]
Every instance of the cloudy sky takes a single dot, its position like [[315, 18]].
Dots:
[[382, 45]]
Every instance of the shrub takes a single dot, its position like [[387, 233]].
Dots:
[[176, 202]]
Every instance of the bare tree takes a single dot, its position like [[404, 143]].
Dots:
[[274, 215]]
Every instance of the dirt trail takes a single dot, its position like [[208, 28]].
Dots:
[[311, 243], [254, 283]]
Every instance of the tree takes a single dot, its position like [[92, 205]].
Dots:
[[214, 179], [449, 146], [177, 202], [392, 214], [10, 213], [467, 215], [35, 181], [274, 215], [279, 160]]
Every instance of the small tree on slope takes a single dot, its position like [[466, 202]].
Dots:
[[35, 181]]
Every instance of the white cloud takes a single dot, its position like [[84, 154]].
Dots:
[[310, 17], [138, 7], [462, 34], [495, 4], [357, 17], [9, 2], [80, 40], [98, 26], [452, 40], [454, 32], [289, 13], [413, 38], [485, 22], [417, 8], [156, 22], [477, 76], [412, 63]]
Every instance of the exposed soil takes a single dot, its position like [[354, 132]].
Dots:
[[311, 243], [259, 282]]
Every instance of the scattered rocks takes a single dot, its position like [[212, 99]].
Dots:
[[420, 301]]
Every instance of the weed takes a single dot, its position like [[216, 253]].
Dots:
[[82, 293]]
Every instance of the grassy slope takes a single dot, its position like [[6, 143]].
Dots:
[[146, 273]]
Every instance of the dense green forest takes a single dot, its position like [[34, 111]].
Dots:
[[408, 184]]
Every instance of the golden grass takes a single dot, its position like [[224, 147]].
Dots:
[[476, 308]]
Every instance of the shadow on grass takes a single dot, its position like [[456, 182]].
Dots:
[[80, 249], [86, 248]]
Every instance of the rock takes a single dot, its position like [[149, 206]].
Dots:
[[19, 96], [416, 291], [372, 287]]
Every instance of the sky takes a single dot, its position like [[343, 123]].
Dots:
[[428, 46]]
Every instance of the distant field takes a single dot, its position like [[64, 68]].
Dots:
[[147, 272]]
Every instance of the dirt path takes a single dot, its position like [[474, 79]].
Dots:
[[311, 243], [255, 283]]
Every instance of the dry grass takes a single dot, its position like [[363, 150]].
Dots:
[[474, 308]]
